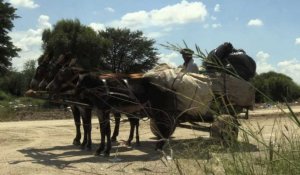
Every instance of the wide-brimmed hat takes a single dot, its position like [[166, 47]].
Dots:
[[186, 51]]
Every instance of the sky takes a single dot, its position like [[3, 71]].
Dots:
[[268, 30]]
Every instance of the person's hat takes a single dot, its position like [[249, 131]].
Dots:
[[186, 51]]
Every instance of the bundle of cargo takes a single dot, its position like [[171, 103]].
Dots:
[[192, 91]]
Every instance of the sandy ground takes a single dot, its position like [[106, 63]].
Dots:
[[44, 147]]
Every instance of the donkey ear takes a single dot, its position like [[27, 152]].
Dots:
[[60, 59], [81, 76], [72, 62]]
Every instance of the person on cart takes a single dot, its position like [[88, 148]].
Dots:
[[189, 65]]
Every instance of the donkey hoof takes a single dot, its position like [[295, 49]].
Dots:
[[106, 154], [82, 147], [97, 153], [76, 142], [158, 149], [113, 139], [89, 148]]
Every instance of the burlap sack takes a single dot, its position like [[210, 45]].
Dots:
[[193, 91]]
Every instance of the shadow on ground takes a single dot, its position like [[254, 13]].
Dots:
[[65, 156], [200, 148]]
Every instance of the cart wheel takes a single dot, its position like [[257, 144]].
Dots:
[[155, 131], [225, 128]]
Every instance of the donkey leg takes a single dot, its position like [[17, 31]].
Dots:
[[89, 130], [117, 127], [102, 133], [137, 135], [88, 127], [131, 133], [85, 132], [76, 116], [108, 133]]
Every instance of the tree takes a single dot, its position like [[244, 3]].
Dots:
[[15, 82], [70, 36], [7, 49], [28, 72], [276, 86], [128, 51]]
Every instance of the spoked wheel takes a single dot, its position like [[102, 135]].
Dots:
[[165, 126], [225, 128]]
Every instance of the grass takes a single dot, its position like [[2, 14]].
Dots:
[[11, 106], [254, 153]]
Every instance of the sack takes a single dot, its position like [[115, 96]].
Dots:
[[227, 59], [192, 91], [216, 59], [242, 65]]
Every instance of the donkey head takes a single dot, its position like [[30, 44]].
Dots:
[[65, 79], [39, 75]]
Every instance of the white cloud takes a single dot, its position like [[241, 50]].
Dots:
[[43, 22], [206, 26], [109, 9], [154, 35], [213, 26], [97, 26], [255, 22], [291, 68], [216, 25], [24, 3], [297, 41], [169, 58], [217, 8], [213, 18], [29, 41], [166, 16], [262, 62]]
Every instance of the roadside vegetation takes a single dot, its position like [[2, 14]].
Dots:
[[252, 154]]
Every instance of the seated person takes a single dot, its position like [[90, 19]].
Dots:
[[188, 65]]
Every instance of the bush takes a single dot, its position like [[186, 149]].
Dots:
[[4, 96], [274, 86]]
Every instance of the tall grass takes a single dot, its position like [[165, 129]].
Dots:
[[11, 105], [254, 153]]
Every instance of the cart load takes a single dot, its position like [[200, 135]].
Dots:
[[194, 93]]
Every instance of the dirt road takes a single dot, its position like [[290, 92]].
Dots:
[[44, 147]]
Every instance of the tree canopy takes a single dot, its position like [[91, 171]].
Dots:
[[276, 86], [15, 82], [128, 51], [70, 36], [7, 48], [114, 50]]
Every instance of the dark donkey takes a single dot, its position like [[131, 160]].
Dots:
[[45, 72], [40, 73], [127, 93], [66, 79]]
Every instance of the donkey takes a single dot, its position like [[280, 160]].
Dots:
[[111, 92], [66, 79], [44, 73], [40, 72]]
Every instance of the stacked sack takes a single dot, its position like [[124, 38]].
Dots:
[[192, 91]]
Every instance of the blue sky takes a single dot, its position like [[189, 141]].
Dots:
[[268, 30]]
